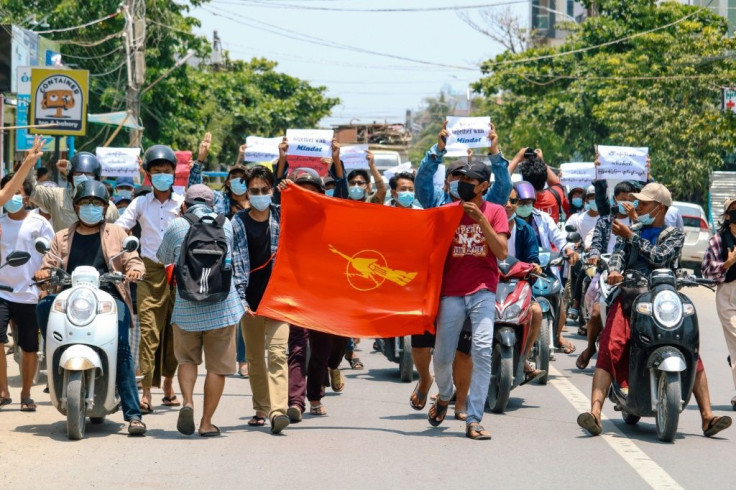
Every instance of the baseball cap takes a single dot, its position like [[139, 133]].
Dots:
[[727, 203], [307, 176], [477, 170], [327, 180], [654, 192], [125, 182], [456, 165], [118, 200], [591, 190], [199, 194]]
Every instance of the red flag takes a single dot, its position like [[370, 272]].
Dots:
[[357, 269]]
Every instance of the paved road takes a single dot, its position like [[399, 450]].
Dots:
[[372, 439]]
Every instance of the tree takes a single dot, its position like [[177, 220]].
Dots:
[[503, 27], [660, 88]]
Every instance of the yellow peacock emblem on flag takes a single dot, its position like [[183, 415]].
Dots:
[[367, 270]]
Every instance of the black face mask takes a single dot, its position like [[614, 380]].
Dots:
[[466, 191], [731, 217]]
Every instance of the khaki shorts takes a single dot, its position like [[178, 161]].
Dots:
[[218, 346]]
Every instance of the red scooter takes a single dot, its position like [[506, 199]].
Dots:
[[511, 331]]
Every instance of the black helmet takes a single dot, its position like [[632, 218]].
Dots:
[[305, 175], [84, 162], [91, 188], [158, 153]]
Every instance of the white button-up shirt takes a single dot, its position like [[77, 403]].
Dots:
[[154, 217]]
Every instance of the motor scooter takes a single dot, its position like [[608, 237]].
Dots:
[[82, 342], [663, 351]]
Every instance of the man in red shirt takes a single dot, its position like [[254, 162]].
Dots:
[[552, 199], [469, 290]]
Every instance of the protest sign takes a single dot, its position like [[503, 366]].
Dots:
[[354, 156], [310, 142], [578, 174], [468, 132], [261, 149], [317, 164], [622, 163], [182, 167], [404, 167], [118, 162]]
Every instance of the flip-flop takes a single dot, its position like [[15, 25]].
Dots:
[[567, 348], [279, 423], [337, 382], [716, 425], [461, 415], [146, 408], [136, 429], [212, 433], [532, 376], [170, 401], [257, 421], [421, 397], [27, 405], [440, 412], [581, 363], [477, 432], [185, 423], [588, 422], [5, 401], [319, 410]]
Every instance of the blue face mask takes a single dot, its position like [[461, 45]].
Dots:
[[356, 193], [91, 214], [453, 189], [330, 192], [648, 218], [592, 205], [78, 179], [261, 203], [406, 198], [162, 182], [125, 193], [524, 211], [577, 202], [237, 186], [15, 204], [122, 210]]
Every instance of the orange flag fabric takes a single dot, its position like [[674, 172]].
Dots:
[[357, 269]]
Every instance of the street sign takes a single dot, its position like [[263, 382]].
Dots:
[[729, 99], [59, 97]]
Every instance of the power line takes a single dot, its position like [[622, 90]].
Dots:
[[257, 3], [81, 26]]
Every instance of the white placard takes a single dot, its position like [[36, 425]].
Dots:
[[310, 142], [354, 156], [456, 151], [578, 174], [119, 162], [622, 163], [468, 132], [404, 167], [261, 149]]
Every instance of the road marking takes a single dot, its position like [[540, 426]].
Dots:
[[649, 471]]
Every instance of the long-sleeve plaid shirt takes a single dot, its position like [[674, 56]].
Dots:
[[663, 254], [241, 257], [712, 266], [601, 236]]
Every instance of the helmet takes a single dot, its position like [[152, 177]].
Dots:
[[91, 188], [125, 182], [307, 176], [525, 190], [86, 163], [158, 153]]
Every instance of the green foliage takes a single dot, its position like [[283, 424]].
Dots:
[[660, 89]]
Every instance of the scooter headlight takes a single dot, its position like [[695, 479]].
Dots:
[[512, 312], [81, 307], [667, 308]]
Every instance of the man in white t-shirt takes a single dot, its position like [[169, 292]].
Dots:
[[20, 230]]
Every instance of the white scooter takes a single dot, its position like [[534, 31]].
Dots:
[[82, 343]]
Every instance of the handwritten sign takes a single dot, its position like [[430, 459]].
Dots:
[[118, 162], [354, 156], [310, 142], [318, 164], [622, 163], [468, 132], [261, 149], [578, 174], [404, 167]]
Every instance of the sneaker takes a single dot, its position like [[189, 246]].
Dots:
[[279, 423]]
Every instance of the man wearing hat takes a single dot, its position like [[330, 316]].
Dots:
[[655, 246], [198, 326]]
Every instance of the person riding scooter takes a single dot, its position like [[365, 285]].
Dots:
[[655, 246], [94, 243]]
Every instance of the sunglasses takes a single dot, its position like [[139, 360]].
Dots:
[[513, 201], [259, 191]]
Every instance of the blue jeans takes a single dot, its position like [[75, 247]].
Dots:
[[480, 307], [125, 380], [240, 346]]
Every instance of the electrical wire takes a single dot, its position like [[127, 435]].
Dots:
[[81, 26], [90, 44], [256, 3]]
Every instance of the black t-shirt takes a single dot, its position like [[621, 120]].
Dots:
[[87, 250], [259, 251]]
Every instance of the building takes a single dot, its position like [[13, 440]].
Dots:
[[546, 15]]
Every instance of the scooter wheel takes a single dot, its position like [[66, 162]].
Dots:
[[630, 419]]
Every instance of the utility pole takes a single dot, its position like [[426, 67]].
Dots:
[[135, 51]]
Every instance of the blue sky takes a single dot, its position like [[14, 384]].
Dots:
[[371, 87]]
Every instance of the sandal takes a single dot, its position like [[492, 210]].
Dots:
[[170, 401], [136, 427], [476, 432], [567, 348], [534, 375], [583, 360], [336, 380], [590, 423], [257, 421], [716, 425], [243, 371], [461, 415], [146, 408], [185, 421], [5, 401], [440, 411], [583, 332], [318, 410], [27, 405], [418, 400], [572, 313], [355, 363]]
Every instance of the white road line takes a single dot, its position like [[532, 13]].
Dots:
[[649, 471]]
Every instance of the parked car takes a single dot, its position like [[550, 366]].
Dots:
[[697, 234]]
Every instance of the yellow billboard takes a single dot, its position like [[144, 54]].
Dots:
[[59, 97]]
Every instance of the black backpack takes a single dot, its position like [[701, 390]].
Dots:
[[202, 275]]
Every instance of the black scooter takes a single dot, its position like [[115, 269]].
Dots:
[[663, 351]]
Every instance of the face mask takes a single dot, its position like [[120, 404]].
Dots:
[[78, 179], [466, 191], [593, 206], [524, 210], [648, 219], [15, 204], [162, 182], [577, 202], [330, 192], [91, 214], [122, 210], [406, 198], [356, 193], [453, 189], [261, 203], [237, 186], [125, 193]]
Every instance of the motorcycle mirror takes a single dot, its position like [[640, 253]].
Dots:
[[17, 258], [574, 237], [130, 244], [42, 245], [571, 228]]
